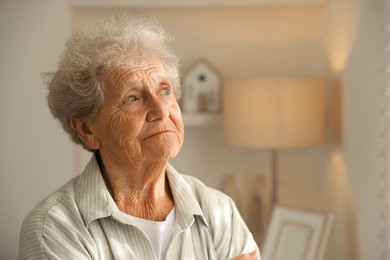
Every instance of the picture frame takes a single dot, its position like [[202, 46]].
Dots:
[[297, 235], [202, 89]]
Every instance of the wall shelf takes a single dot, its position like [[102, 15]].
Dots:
[[201, 119]]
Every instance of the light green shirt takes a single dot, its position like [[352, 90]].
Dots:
[[79, 222]]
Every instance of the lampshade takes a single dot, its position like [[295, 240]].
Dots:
[[274, 113]]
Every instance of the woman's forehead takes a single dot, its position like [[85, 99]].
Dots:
[[124, 76], [143, 64], [141, 74]]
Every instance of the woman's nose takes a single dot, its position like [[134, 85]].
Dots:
[[158, 110]]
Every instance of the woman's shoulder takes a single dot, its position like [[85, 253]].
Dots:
[[56, 198], [201, 187], [207, 197], [55, 223], [59, 203]]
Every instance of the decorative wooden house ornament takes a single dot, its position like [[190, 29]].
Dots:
[[202, 86]]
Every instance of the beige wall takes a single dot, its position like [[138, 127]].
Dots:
[[35, 156], [356, 54], [239, 42]]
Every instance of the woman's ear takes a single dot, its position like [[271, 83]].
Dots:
[[84, 133]]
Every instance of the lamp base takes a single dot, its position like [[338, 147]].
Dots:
[[274, 177]]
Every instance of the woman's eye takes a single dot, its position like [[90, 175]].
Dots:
[[166, 91], [132, 99]]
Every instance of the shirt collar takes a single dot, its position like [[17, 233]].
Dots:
[[93, 197], [186, 204], [91, 193]]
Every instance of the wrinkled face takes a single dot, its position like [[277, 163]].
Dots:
[[140, 120]]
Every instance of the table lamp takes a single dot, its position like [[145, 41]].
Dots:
[[274, 113]]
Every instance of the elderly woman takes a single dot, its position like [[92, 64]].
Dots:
[[115, 93]]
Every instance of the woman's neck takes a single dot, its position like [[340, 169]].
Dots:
[[142, 190]]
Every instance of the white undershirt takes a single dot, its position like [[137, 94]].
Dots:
[[159, 233]]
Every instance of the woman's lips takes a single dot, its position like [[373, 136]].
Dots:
[[158, 133]]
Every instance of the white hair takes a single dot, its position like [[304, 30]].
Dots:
[[75, 89]]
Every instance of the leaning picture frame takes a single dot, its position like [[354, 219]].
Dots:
[[297, 235]]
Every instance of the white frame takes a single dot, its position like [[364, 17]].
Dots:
[[313, 227]]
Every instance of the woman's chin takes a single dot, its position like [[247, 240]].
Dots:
[[164, 147], [163, 153]]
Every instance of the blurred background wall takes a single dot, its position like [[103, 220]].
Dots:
[[337, 40]]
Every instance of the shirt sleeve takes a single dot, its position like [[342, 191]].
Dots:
[[242, 241], [230, 234]]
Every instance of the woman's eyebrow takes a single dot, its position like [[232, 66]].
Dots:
[[129, 85], [135, 81], [158, 74], [162, 77]]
